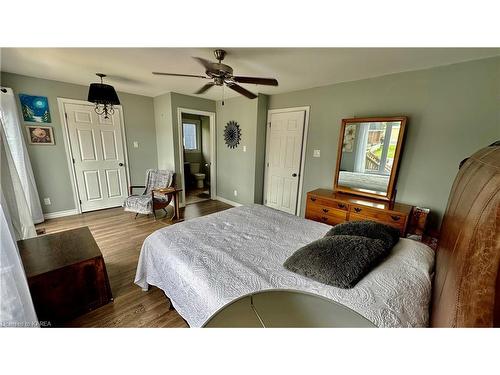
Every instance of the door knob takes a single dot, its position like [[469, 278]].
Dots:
[[294, 174], [120, 164]]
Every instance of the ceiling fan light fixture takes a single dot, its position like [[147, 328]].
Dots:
[[103, 96]]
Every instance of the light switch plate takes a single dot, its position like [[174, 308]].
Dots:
[[46, 201], [316, 153], [136, 144], [244, 148]]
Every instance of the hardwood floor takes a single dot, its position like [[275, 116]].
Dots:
[[120, 238]]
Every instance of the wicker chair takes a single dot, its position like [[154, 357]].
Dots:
[[148, 202]]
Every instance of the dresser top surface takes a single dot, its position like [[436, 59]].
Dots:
[[369, 202], [54, 251]]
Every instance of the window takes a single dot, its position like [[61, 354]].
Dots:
[[190, 136]]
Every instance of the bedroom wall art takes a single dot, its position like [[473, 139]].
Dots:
[[35, 108], [350, 135], [232, 134], [40, 135]]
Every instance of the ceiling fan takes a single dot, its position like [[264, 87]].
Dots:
[[223, 74]]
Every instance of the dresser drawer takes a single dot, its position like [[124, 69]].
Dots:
[[318, 211], [324, 218], [319, 201], [356, 217], [378, 215]]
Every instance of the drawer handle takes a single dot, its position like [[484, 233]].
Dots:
[[357, 209], [325, 210], [324, 218], [395, 217], [340, 205], [313, 199]]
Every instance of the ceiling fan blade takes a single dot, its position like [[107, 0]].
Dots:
[[256, 80], [205, 88], [178, 75], [241, 90], [207, 64]]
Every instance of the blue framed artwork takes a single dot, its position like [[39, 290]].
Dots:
[[35, 108]]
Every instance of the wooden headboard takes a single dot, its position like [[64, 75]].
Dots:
[[466, 289]]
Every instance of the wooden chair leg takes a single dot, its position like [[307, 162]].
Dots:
[[154, 214], [136, 215]]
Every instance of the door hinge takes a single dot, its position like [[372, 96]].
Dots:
[[80, 201], [66, 116], [269, 124], [73, 160], [267, 164]]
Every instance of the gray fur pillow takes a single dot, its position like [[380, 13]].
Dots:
[[370, 229], [339, 261]]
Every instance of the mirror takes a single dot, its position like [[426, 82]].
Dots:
[[368, 156]]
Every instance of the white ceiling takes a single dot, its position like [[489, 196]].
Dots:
[[129, 69]]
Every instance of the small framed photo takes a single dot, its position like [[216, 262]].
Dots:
[[40, 135]]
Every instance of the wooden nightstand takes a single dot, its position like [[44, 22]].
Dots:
[[66, 274]]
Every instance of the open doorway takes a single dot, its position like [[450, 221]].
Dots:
[[197, 155], [196, 142]]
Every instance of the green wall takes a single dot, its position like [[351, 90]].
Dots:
[[49, 162], [236, 169], [453, 111], [167, 130]]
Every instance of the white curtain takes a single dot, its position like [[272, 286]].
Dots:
[[14, 144], [362, 142], [16, 306]]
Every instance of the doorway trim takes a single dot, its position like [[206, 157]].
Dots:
[[69, 153], [213, 151], [270, 112]]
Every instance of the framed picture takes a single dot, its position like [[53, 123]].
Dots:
[[349, 137], [35, 108], [40, 135]]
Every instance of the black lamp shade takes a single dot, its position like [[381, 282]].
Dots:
[[100, 93]]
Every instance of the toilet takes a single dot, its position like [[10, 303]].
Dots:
[[199, 177]]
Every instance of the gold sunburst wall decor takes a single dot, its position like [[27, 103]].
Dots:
[[232, 134]]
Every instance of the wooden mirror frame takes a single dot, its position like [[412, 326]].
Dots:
[[389, 196]]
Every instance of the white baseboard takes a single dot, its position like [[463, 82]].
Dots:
[[54, 215], [224, 200]]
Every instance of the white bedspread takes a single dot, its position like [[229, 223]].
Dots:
[[204, 263]]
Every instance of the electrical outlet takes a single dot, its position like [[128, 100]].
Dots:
[[316, 153], [136, 144], [236, 193], [46, 201], [244, 148]]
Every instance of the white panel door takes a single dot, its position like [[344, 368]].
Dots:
[[284, 156], [98, 157]]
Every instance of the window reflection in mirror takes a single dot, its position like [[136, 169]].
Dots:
[[368, 153]]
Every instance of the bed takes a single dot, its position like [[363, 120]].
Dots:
[[204, 263]]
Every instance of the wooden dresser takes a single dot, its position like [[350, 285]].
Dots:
[[333, 208]]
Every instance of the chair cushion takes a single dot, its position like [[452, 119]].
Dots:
[[141, 204]]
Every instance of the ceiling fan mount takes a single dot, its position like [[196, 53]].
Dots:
[[221, 74]]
